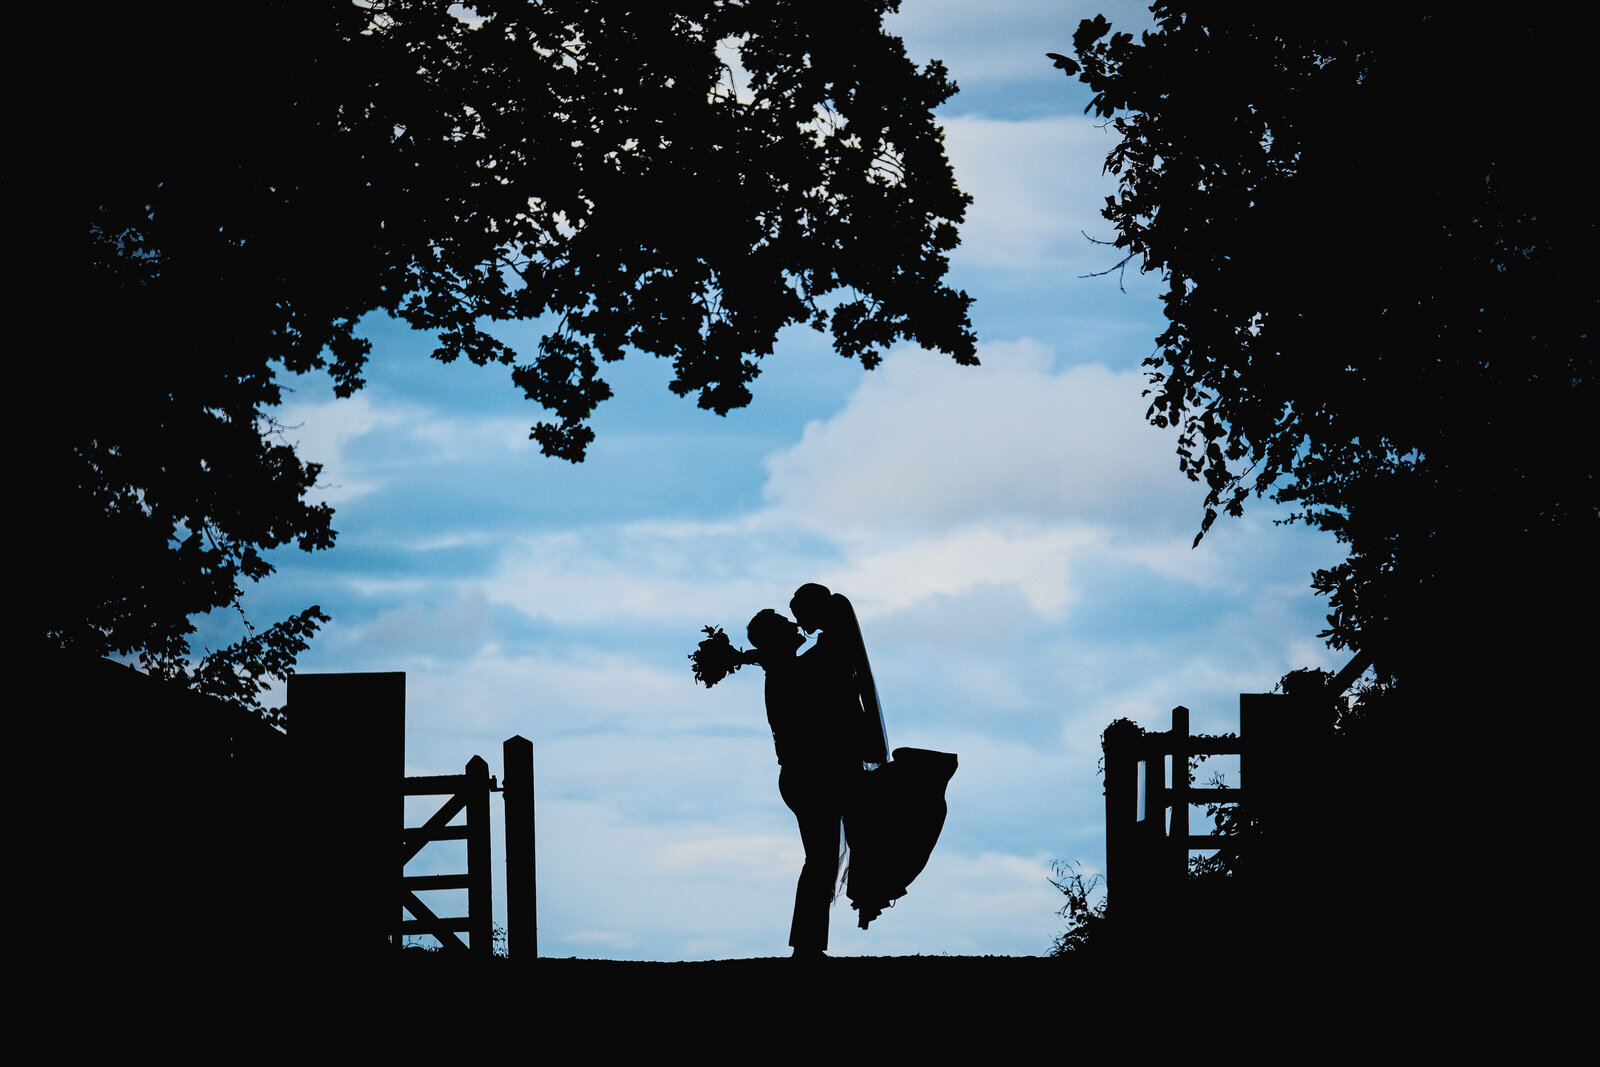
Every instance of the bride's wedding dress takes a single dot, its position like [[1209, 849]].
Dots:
[[892, 826], [898, 808]]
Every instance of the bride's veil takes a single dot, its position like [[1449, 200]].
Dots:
[[845, 618]]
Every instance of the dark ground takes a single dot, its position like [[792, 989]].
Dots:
[[427, 1007]]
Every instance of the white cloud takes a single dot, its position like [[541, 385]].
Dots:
[[1037, 187], [933, 481], [323, 432], [461, 625], [925, 443], [366, 444], [769, 857], [1035, 562], [999, 46]]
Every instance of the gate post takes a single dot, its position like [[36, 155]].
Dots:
[[521, 888], [1175, 864], [1120, 744], [480, 904], [348, 732]]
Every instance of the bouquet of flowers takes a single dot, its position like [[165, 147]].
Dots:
[[716, 658]]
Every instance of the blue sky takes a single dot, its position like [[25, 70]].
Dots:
[[1015, 538]]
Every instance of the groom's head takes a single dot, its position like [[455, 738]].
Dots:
[[771, 632]]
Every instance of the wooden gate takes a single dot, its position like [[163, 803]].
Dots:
[[469, 792], [1282, 749], [1148, 801], [350, 729]]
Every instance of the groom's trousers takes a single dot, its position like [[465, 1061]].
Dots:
[[818, 796]]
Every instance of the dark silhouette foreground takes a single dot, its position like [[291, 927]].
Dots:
[[827, 727]]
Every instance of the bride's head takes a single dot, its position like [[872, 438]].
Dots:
[[812, 606]]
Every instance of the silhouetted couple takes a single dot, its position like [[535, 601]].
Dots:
[[834, 765]]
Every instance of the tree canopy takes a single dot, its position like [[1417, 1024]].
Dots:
[[1379, 288], [680, 179]]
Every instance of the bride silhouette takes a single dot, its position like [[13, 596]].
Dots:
[[842, 653], [896, 809]]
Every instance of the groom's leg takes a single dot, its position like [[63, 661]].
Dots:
[[818, 815], [813, 896]]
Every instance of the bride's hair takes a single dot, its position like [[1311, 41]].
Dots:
[[812, 600]]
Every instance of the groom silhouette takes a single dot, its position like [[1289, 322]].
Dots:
[[813, 719]]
